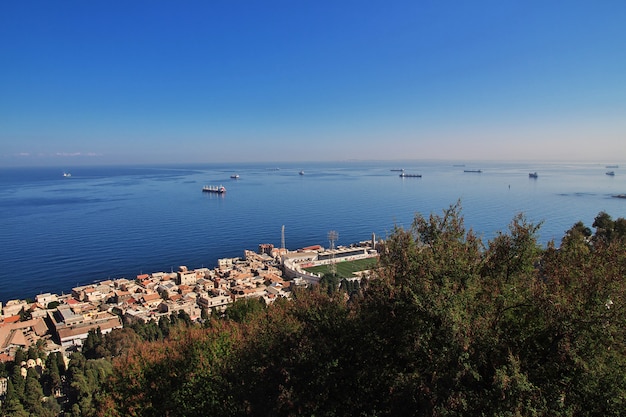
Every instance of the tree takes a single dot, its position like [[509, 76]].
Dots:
[[603, 224], [20, 356], [33, 395], [119, 341], [446, 326], [184, 317], [148, 331], [60, 359], [296, 358], [14, 408], [181, 376], [330, 281], [86, 380], [93, 347], [244, 309], [18, 382], [51, 407], [11, 405], [52, 374], [25, 314], [204, 314]]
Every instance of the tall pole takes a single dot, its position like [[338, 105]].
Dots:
[[332, 237], [282, 238]]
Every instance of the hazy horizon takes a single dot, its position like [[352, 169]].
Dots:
[[69, 165], [143, 82]]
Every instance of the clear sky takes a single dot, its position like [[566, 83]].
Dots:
[[237, 81]]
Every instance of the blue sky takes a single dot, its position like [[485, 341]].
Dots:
[[91, 82]]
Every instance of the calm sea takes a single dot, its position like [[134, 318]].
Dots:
[[111, 222]]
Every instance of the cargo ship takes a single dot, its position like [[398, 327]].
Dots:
[[405, 175], [214, 189]]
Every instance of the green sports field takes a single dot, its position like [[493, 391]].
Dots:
[[347, 268]]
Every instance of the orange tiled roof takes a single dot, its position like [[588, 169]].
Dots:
[[12, 319], [150, 297]]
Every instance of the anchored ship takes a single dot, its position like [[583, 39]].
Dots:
[[214, 189]]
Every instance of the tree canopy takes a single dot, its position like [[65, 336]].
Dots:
[[447, 325]]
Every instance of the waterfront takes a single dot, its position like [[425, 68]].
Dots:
[[110, 222]]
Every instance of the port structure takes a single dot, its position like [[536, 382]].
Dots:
[[333, 236]]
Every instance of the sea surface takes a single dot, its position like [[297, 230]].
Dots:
[[58, 232]]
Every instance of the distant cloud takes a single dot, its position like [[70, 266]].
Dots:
[[57, 154], [74, 154], [68, 154]]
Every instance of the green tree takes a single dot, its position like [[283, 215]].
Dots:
[[25, 314], [150, 331], [119, 341], [51, 407], [204, 314], [52, 374], [33, 395], [18, 382], [93, 347], [603, 223], [20, 356], [244, 309], [32, 353], [11, 405], [184, 318], [446, 326], [61, 363], [86, 380], [164, 326], [331, 282], [580, 297], [14, 408], [181, 376]]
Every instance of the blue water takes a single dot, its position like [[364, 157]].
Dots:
[[111, 222]]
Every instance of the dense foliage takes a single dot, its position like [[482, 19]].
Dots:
[[447, 326]]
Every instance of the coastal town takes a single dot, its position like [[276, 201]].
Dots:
[[61, 323]]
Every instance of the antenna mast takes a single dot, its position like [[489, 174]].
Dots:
[[332, 237], [282, 238]]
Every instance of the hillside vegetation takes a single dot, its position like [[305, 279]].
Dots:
[[447, 326]]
